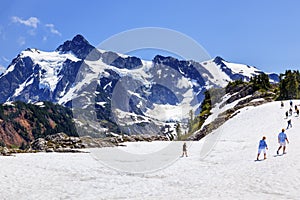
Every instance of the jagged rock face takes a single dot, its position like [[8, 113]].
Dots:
[[122, 63], [11, 81], [80, 47], [187, 68]]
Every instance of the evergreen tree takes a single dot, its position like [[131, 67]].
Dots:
[[289, 85], [178, 130], [260, 82]]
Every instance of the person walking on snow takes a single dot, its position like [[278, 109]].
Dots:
[[282, 139], [289, 124], [184, 150], [291, 111], [291, 103], [286, 114], [262, 147]]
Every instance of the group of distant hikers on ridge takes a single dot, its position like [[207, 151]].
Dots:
[[282, 137]]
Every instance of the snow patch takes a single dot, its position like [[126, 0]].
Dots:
[[101, 103], [22, 86], [241, 68], [8, 103], [183, 83], [219, 77]]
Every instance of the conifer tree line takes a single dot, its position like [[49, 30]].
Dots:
[[260, 81], [289, 85]]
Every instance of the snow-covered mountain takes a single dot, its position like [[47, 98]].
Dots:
[[137, 95], [225, 71]]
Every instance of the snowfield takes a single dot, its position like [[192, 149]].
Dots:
[[227, 172]]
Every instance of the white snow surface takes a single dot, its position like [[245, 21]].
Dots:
[[227, 172], [219, 77], [241, 68]]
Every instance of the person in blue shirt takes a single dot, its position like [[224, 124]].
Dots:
[[282, 139], [262, 148]]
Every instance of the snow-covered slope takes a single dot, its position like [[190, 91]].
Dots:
[[227, 172]]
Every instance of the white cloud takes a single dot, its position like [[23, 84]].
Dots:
[[5, 59], [2, 69], [52, 29], [21, 41], [31, 22]]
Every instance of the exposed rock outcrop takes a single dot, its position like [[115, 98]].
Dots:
[[4, 151], [59, 142], [139, 138]]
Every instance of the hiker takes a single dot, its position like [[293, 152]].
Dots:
[[282, 105], [184, 150], [289, 124], [262, 147], [282, 139], [291, 103], [297, 112], [286, 114], [291, 111], [296, 107]]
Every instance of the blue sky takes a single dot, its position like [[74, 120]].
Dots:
[[264, 33]]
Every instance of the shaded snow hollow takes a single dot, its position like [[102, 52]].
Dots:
[[227, 172]]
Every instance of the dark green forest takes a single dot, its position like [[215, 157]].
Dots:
[[289, 85]]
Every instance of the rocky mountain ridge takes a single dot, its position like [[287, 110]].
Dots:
[[124, 93]]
